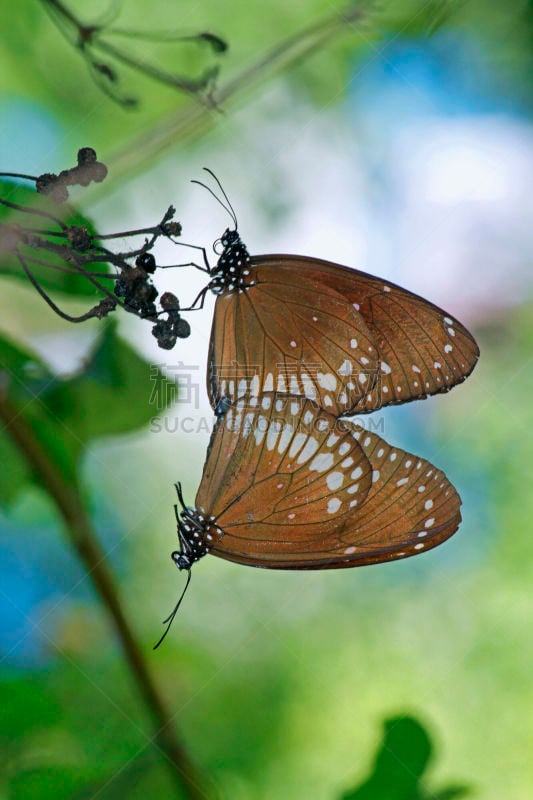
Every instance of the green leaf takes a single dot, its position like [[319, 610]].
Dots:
[[50, 279], [400, 766], [110, 395]]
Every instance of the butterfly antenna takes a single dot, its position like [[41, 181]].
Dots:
[[227, 208], [234, 215], [170, 619], [180, 495]]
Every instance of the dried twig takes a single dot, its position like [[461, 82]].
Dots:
[[78, 251], [94, 40], [191, 121]]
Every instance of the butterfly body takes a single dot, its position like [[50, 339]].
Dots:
[[231, 274]]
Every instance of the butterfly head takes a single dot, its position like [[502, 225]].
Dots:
[[232, 271]]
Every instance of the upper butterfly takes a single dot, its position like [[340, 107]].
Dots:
[[347, 340]]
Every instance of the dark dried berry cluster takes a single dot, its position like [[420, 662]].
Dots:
[[88, 169], [79, 237], [135, 287], [168, 330]]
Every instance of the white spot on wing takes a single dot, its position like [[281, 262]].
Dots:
[[311, 446], [285, 438], [345, 368], [254, 386], [297, 443], [321, 462], [272, 436], [335, 480], [308, 386], [333, 505], [327, 380], [260, 429]]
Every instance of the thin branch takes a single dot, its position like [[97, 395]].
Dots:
[[194, 119], [87, 39], [78, 250], [83, 538]]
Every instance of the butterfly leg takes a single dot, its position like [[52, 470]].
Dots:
[[205, 268], [201, 298]]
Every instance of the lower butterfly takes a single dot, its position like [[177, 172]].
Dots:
[[286, 485]]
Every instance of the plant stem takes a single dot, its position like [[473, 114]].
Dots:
[[67, 498], [194, 119]]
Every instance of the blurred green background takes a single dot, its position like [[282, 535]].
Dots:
[[400, 143]]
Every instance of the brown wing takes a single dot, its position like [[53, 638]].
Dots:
[[411, 507], [408, 348], [279, 475], [302, 339]]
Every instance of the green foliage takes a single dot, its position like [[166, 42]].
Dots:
[[400, 766], [108, 396], [275, 680], [57, 750]]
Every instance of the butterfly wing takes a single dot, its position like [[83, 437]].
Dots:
[[294, 488], [423, 349], [411, 506], [302, 339], [301, 318], [278, 476]]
